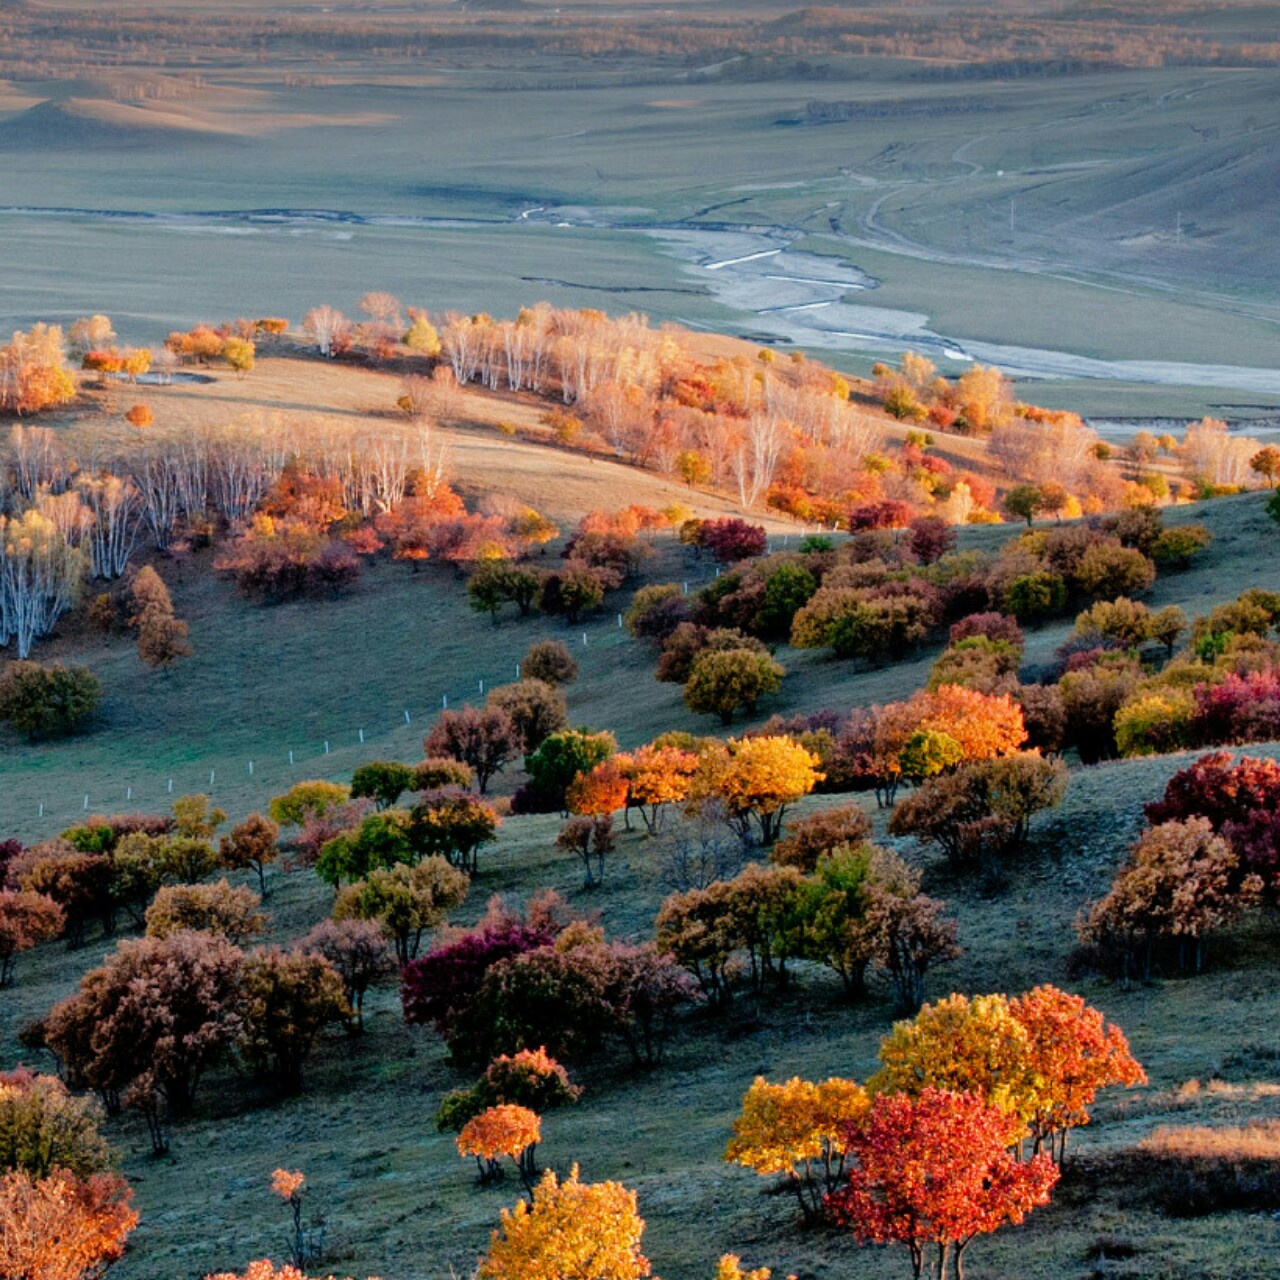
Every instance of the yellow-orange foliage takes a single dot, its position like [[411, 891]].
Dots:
[[62, 1228], [983, 725], [1040, 1058], [571, 1231], [265, 1269], [1074, 1052], [602, 791], [660, 775], [730, 1268], [499, 1131], [759, 777], [789, 1128], [286, 1183]]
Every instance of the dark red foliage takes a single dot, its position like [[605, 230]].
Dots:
[[890, 514], [1240, 709], [438, 986], [993, 626], [731, 539], [1241, 799], [930, 538], [9, 849]]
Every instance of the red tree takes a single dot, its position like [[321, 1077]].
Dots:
[[932, 1172]]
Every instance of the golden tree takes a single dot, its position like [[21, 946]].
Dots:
[[797, 1129], [760, 777], [503, 1130], [571, 1231]]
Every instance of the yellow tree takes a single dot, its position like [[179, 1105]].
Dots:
[[730, 1268], [963, 1045], [796, 1130], [571, 1231], [660, 776], [759, 777]]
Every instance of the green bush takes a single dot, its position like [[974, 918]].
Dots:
[[48, 701]]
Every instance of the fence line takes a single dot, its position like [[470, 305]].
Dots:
[[276, 767]]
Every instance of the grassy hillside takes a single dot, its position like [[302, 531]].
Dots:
[[400, 1203]]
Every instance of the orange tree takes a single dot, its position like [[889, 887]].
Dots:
[[504, 1130], [1073, 1052], [933, 1171], [62, 1227], [601, 791], [659, 776], [1040, 1058]]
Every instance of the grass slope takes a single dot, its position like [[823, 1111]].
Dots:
[[400, 1203]]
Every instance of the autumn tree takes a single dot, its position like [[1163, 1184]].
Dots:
[[658, 777], [252, 843], [797, 1129], [382, 781], [1266, 462], [529, 1078], [437, 773], [452, 825], [553, 767], [910, 932], [537, 709], [44, 1127], [62, 1227], [590, 838], [1181, 884], [33, 372], [162, 1011], [487, 740], [162, 637], [502, 1130], [549, 661], [575, 590], [807, 839], [219, 909], [406, 901], [359, 954], [380, 840], [602, 791], [759, 777], [982, 812], [288, 998], [722, 682], [90, 333], [307, 799], [1024, 501], [1073, 1052], [971, 1045], [79, 884], [569, 1231], [933, 1171], [26, 920]]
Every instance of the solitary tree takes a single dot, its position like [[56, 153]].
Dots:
[[252, 843]]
